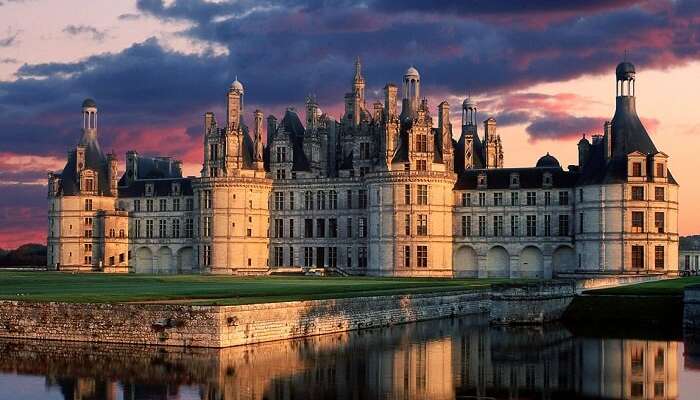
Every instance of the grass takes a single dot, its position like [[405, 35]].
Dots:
[[668, 287], [207, 289]]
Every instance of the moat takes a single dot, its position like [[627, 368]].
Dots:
[[459, 358]]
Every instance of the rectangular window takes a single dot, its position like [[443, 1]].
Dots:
[[348, 257], [281, 154], [638, 257], [291, 256], [206, 255], [362, 196], [149, 228], [332, 200], [189, 227], [482, 225], [279, 201], [563, 198], [466, 225], [291, 227], [659, 259], [497, 225], [659, 222], [482, 199], [320, 200], [206, 229], [498, 199], [547, 198], [162, 228], [422, 143], [281, 174], [660, 170], [308, 200], [407, 256], [422, 194], [149, 205], [563, 225], [421, 165], [176, 204], [580, 222], [364, 150], [422, 228], [531, 225], [189, 204], [163, 205], [308, 256], [422, 256], [637, 221], [362, 257], [348, 199], [332, 227], [278, 257], [637, 192], [531, 198], [88, 204], [636, 169], [279, 228], [659, 194], [308, 228], [407, 224], [320, 227], [291, 200], [348, 227], [137, 205], [407, 194], [514, 225], [176, 228], [332, 257], [249, 232], [363, 227], [514, 198], [548, 225], [137, 228]]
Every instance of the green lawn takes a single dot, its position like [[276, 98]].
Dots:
[[207, 289], [668, 287]]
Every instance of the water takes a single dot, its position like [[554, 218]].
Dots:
[[459, 358]]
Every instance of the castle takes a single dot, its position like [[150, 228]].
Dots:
[[382, 192]]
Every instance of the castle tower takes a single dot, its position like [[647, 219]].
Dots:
[[259, 146], [469, 132], [411, 93], [445, 131], [358, 83], [493, 149]]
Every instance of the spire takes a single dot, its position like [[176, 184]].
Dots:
[[358, 69]]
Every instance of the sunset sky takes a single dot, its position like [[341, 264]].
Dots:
[[544, 70]]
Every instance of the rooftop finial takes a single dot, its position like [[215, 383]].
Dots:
[[358, 68]]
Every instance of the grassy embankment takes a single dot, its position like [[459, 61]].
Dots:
[[655, 306], [207, 289]]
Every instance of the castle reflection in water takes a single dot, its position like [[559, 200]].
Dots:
[[445, 359]]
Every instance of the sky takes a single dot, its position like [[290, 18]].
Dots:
[[543, 69]]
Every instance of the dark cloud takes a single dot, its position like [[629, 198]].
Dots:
[[94, 33], [563, 126], [128, 17], [9, 40]]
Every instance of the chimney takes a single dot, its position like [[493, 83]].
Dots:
[[607, 129], [112, 173], [390, 94], [584, 148]]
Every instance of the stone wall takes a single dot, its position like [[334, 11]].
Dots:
[[691, 308], [530, 303], [222, 326]]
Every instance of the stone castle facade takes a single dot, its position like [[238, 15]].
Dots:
[[385, 191]]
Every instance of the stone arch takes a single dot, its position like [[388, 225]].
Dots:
[[531, 262], [185, 260], [465, 262], [498, 262], [144, 261], [564, 259], [165, 260]]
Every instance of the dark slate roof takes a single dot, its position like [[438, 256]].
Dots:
[[94, 160], [401, 153], [547, 161], [161, 187], [292, 125], [530, 178], [624, 70], [628, 135], [478, 153], [89, 103]]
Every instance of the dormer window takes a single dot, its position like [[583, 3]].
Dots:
[[89, 184], [547, 180], [149, 189], [514, 180], [281, 154], [637, 169], [175, 189], [481, 180], [660, 170]]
